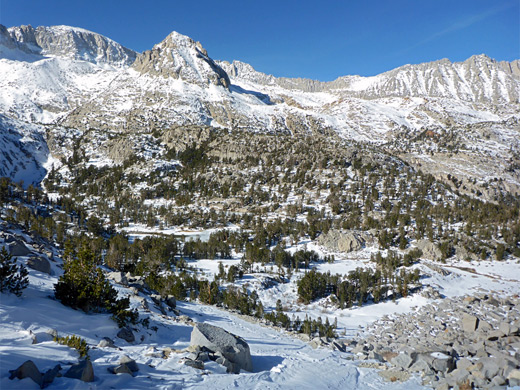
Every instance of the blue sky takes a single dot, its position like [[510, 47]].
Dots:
[[315, 39]]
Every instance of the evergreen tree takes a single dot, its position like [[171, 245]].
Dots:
[[84, 286], [13, 277]]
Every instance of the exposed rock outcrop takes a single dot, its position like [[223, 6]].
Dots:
[[83, 371], [233, 350], [180, 57], [72, 42], [344, 241]]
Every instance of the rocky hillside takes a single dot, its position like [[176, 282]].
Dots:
[[457, 119], [68, 42]]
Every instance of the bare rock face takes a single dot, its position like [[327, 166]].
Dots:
[[348, 241], [126, 334], [180, 57], [75, 43], [429, 249], [39, 264], [233, 350]]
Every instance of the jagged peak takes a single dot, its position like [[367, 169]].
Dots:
[[179, 56]]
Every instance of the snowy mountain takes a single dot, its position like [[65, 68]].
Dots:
[[478, 79], [179, 57], [83, 81], [69, 42]]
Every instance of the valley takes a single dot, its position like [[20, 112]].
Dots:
[[302, 216]]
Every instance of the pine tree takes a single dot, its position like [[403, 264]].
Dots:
[[13, 277], [84, 286]]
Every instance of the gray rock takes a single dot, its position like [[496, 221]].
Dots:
[[421, 366], [198, 364], [106, 342], [126, 334], [39, 264], [429, 249], [317, 342], [375, 356], [118, 277], [347, 241], [464, 364], [443, 363], [18, 248], [171, 302], [514, 376], [505, 328], [469, 323], [27, 370], [129, 362], [230, 367], [403, 360], [120, 369], [203, 356], [489, 368], [82, 370], [457, 376], [185, 319], [498, 381], [216, 339]]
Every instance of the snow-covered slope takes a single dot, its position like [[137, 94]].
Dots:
[[84, 81], [478, 79], [280, 360], [23, 151]]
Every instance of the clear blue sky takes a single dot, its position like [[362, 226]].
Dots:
[[315, 39]]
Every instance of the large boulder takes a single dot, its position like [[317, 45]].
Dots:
[[27, 370], [233, 348], [126, 365], [469, 323], [18, 248], [39, 264], [126, 334], [347, 241], [82, 370], [430, 250], [118, 277]]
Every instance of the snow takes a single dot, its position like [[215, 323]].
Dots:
[[279, 360]]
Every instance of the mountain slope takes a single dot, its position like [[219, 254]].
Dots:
[[478, 79], [73, 43], [82, 81]]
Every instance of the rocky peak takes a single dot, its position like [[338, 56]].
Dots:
[[72, 42], [180, 57]]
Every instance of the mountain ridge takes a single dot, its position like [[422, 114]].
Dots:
[[73, 82]]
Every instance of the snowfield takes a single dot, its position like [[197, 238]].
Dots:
[[280, 360]]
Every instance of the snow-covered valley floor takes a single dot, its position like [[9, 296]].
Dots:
[[280, 360]]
